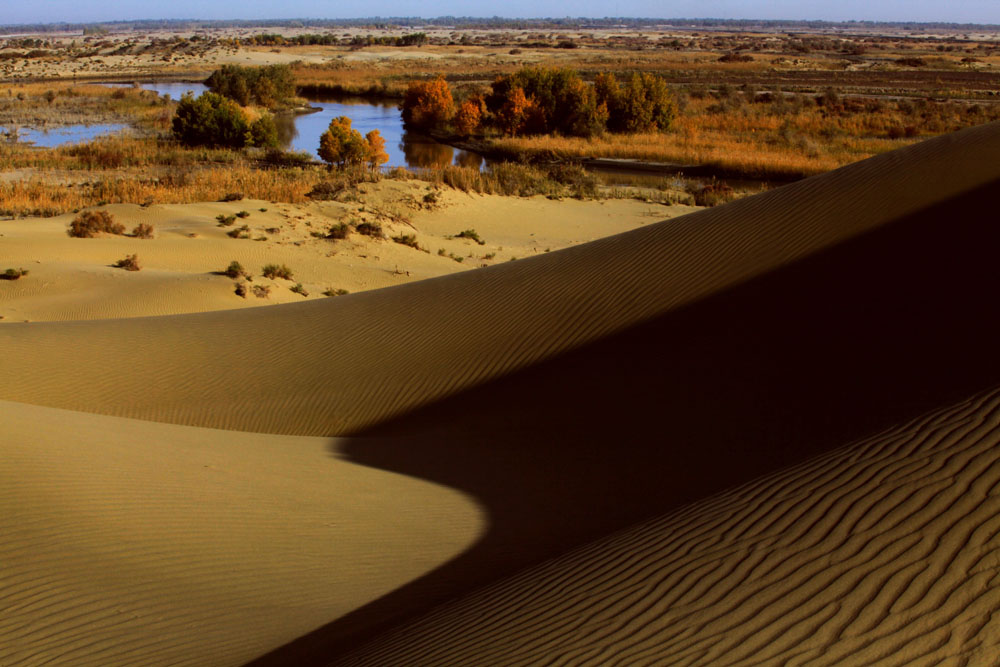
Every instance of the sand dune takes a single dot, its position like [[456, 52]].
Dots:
[[639, 383], [884, 552], [73, 279], [327, 368], [129, 542]]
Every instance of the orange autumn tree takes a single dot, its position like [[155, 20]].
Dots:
[[515, 112], [469, 116], [428, 104], [343, 146], [376, 155]]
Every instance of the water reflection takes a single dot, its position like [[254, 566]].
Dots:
[[62, 135], [470, 160], [423, 152]]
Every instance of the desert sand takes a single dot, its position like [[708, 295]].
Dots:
[[763, 432], [74, 278]]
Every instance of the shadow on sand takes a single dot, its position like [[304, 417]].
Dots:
[[846, 342]]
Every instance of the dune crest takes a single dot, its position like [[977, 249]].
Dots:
[[331, 368]]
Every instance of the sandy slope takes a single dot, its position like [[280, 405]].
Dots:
[[73, 279], [885, 552], [573, 395], [129, 542]]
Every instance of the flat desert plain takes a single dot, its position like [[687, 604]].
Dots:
[[762, 433]]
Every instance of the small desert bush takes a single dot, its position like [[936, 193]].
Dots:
[[261, 291], [712, 194], [299, 289], [225, 220], [372, 229], [339, 231], [241, 290], [243, 214], [335, 292], [143, 231], [241, 232], [277, 271], [471, 235], [129, 263], [407, 240], [235, 270], [13, 274], [89, 223], [232, 196]]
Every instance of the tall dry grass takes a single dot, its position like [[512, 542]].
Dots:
[[789, 138], [48, 196]]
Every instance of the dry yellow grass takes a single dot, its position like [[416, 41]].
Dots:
[[797, 138], [48, 196]]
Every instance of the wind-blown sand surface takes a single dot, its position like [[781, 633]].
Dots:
[[633, 450], [74, 278]]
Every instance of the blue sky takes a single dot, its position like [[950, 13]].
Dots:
[[49, 11]]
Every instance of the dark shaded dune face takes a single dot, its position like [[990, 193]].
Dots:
[[884, 552], [848, 341]]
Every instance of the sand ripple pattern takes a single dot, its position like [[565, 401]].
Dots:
[[886, 552]]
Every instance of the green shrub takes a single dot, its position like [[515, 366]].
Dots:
[[235, 270], [277, 271], [213, 120], [225, 220], [268, 86], [407, 240], [335, 292], [13, 274], [299, 289], [241, 232], [339, 231], [471, 235]]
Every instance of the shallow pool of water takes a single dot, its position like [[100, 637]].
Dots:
[[301, 132], [66, 134]]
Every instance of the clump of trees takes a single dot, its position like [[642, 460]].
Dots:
[[329, 39], [641, 104], [543, 100], [270, 86], [214, 120], [343, 146], [428, 104]]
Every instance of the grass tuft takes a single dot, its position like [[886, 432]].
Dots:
[[89, 223], [277, 271]]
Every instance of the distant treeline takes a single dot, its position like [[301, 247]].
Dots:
[[312, 39], [496, 22]]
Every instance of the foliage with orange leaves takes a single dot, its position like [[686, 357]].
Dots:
[[428, 104], [376, 149], [468, 117], [515, 112], [344, 146]]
